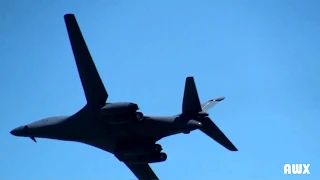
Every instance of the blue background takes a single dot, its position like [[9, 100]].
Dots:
[[263, 56]]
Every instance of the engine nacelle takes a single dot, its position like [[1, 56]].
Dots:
[[143, 158], [118, 108], [140, 150], [121, 112]]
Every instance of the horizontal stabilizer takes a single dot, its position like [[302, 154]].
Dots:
[[93, 87], [191, 103], [210, 129], [209, 104]]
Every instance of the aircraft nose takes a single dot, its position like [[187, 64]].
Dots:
[[17, 131]]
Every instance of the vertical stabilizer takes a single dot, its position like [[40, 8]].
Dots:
[[191, 103]]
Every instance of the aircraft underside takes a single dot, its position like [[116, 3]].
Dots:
[[142, 154]]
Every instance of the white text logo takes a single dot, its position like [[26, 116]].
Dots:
[[296, 169]]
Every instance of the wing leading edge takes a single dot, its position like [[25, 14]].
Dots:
[[142, 171]]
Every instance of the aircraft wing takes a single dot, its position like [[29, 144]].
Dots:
[[93, 87], [142, 171]]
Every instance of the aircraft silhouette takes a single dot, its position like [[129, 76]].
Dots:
[[118, 127]]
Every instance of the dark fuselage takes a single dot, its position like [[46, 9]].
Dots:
[[107, 134]]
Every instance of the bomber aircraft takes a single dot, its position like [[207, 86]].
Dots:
[[119, 128]]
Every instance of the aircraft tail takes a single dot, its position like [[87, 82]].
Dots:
[[191, 107], [191, 103], [93, 87], [209, 104]]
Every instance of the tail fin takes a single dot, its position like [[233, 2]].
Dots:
[[209, 104], [191, 106], [191, 102], [93, 87]]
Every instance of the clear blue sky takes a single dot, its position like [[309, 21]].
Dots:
[[263, 56]]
